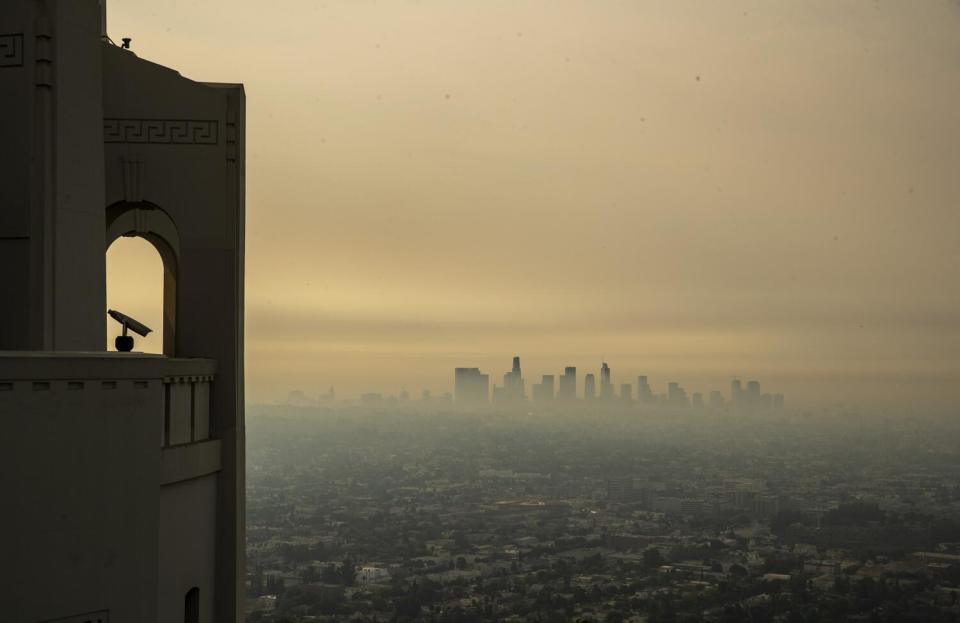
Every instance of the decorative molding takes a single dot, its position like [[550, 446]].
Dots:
[[160, 131], [11, 50]]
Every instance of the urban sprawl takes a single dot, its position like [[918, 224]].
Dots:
[[395, 511]]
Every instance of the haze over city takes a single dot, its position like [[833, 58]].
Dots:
[[689, 190]]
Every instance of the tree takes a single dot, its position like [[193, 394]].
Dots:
[[309, 574], [738, 571], [652, 558], [348, 572], [256, 583], [783, 520], [329, 574], [853, 514], [274, 585], [460, 541]]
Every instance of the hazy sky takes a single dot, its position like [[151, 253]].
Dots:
[[692, 190]]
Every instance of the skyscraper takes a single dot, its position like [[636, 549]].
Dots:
[[513, 389], [606, 386], [626, 393], [548, 384], [716, 399], [736, 392], [753, 394], [470, 387], [676, 396], [543, 391], [568, 384], [589, 387], [644, 393]]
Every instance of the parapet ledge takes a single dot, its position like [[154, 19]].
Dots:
[[67, 365]]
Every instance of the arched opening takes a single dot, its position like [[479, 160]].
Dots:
[[135, 287], [191, 606], [148, 227]]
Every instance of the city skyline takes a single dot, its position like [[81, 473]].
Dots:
[[473, 387]]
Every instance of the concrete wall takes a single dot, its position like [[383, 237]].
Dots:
[[187, 539], [79, 258], [16, 100], [81, 504], [96, 515], [52, 273]]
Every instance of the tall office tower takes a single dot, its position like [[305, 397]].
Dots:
[[626, 392], [513, 389], [548, 384], [778, 401], [543, 391], [606, 386], [753, 394], [481, 388], [697, 400], [470, 387], [676, 396], [327, 397], [122, 472], [568, 384], [716, 400], [736, 392], [644, 393], [589, 387]]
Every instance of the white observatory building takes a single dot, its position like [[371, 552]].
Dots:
[[121, 474]]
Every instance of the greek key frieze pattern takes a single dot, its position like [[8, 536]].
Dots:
[[160, 131], [11, 50]]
